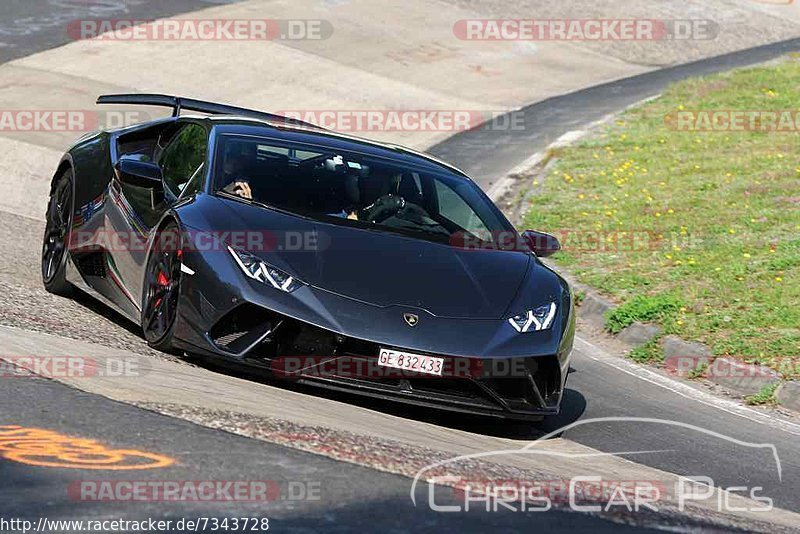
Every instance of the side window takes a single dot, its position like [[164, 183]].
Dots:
[[183, 157]]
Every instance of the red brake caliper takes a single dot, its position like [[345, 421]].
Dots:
[[162, 281]]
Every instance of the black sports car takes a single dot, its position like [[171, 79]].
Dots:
[[325, 258]]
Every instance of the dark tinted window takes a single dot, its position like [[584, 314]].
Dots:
[[355, 189], [184, 157]]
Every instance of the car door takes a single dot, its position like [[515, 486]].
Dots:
[[181, 153]]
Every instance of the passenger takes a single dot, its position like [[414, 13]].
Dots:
[[238, 157]]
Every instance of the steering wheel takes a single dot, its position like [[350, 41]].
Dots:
[[383, 208]]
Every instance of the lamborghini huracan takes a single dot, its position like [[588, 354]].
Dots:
[[323, 258]]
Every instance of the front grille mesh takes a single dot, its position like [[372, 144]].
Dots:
[[238, 329], [227, 339], [536, 383]]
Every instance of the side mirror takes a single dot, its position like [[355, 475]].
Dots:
[[132, 170], [540, 243]]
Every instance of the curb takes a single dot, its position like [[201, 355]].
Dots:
[[594, 309], [684, 357], [692, 359], [742, 378], [639, 334], [788, 395]]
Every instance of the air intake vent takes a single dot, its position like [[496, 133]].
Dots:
[[92, 264], [242, 327]]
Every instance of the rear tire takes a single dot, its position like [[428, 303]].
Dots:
[[162, 289], [55, 244]]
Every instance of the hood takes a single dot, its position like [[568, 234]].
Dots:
[[382, 268]]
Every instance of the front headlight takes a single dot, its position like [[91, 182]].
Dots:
[[256, 269], [534, 320]]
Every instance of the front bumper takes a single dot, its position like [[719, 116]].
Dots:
[[322, 339]]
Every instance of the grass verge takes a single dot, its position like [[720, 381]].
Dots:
[[764, 397], [696, 231]]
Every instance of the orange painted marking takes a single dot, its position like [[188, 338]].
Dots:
[[45, 448]]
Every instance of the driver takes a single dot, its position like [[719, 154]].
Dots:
[[238, 157]]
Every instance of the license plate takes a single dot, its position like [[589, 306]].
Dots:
[[407, 361]]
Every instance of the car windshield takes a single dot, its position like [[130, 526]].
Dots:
[[355, 189]]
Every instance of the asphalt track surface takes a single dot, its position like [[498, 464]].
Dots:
[[316, 494], [30, 26], [354, 497]]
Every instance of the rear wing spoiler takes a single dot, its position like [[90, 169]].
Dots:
[[178, 103]]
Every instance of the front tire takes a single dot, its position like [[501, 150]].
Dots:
[[55, 244], [162, 289]]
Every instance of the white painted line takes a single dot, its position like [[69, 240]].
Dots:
[[685, 390], [187, 270]]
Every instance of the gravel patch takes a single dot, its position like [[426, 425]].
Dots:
[[24, 303], [80, 318]]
